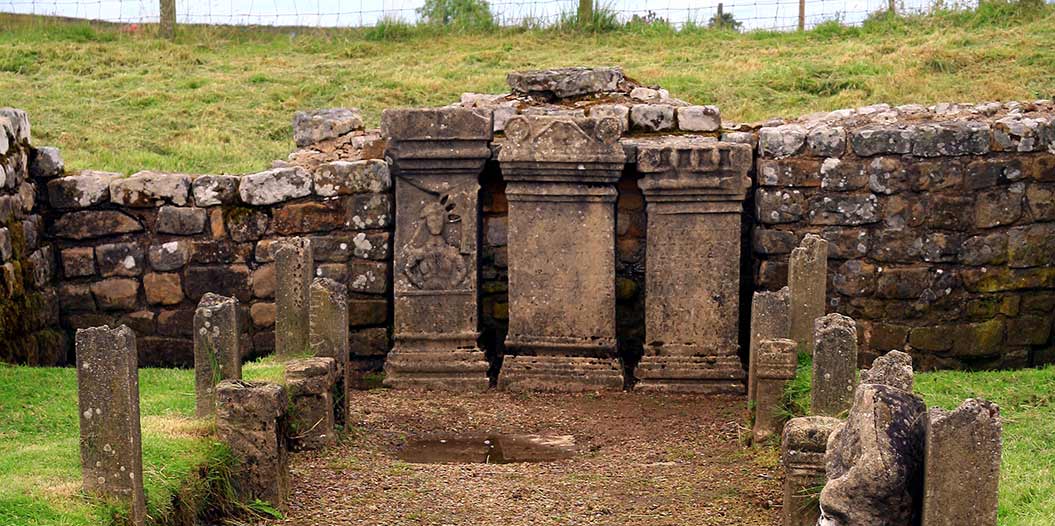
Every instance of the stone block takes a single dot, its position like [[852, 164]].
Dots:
[[163, 288], [311, 127], [929, 176], [367, 312], [847, 210], [311, 391], [229, 280], [119, 259], [807, 282], [263, 315], [834, 365], [368, 211], [962, 465], [301, 218], [368, 342], [893, 368], [116, 293], [78, 262], [108, 403], [244, 224], [769, 321], [90, 224], [977, 339], [779, 206], [565, 82], [213, 190], [75, 297], [699, 118], [328, 337], [796, 172], [803, 443], [826, 141], [89, 188], [183, 221], [773, 242], [148, 189], [855, 278], [1031, 246], [217, 348], [264, 281], [775, 364], [251, 419], [352, 177], [652, 117], [1029, 330], [46, 162], [877, 139], [368, 277], [173, 255], [950, 138], [1001, 206], [619, 112], [275, 186], [293, 261], [781, 141]]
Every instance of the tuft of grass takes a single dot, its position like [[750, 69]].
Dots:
[[1027, 409]]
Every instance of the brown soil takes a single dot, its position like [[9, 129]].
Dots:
[[643, 459]]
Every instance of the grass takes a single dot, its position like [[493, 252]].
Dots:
[[221, 99], [1027, 408], [39, 452]]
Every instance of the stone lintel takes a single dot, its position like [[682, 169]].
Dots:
[[437, 141], [562, 149], [679, 170]]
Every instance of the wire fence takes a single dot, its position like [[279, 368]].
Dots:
[[752, 14]]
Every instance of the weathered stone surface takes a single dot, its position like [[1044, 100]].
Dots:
[[561, 252], [302, 218], [619, 112], [874, 461], [368, 211], [779, 206], [565, 82], [807, 281], [251, 420], [46, 162], [962, 465], [263, 315], [352, 177], [694, 190], [438, 155], [843, 210], [652, 117], [150, 189], [878, 139], [245, 225], [802, 453], [775, 364], [311, 391], [1041, 201], [78, 262], [781, 141], [89, 188], [172, 255], [212, 190], [116, 293], [826, 141], [119, 259], [893, 368], [229, 280], [328, 336], [950, 138], [1002, 206], [699, 118], [294, 263], [275, 186], [310, 127], [108, 402], [163, 289], [769, 321], [217, 348], [771, 242], [182, 221], [368, 277], [89, 224], [834, 365], [1031, 246], [789, 172]]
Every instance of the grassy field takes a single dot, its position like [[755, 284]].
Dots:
[[1027, 408], [39, 456], [221, 99]]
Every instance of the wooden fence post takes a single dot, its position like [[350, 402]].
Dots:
[[167, 20], [585, 12], [802, 15]]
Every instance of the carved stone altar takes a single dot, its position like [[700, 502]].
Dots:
[[694, 188], [560, 174], [437, 156]]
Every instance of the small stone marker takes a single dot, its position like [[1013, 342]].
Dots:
[[251, 420], [807, 280], [962, 465], [874, 461], [295, 267], [893, 368], [802, 454], [834, 365], [217, 348], [777, 360], [769, 321], [310, 382], [329, 336], [108, 399]]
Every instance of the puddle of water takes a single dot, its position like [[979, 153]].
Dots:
[[487, 449]]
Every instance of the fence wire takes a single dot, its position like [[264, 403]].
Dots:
[[752, 14]]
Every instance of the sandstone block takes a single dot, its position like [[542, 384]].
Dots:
[[893, 368], [245, 225], [843, 210], [275, 186], [876, 139], [310, 127], [212, 190], [217, 348], [699, 118], [293, 261], [826, 141], [779, 206], [652, 117], [173, 255], [251, 419], [263, 315], [368, 211], [352, 177], [151, 189], [619, 112], [182, 221], [46, 162], [90, 188], [776, 363], [116, 293], [950, 138], [163, 289], [834, 365], [1031, 246], [78, 262], [802, 453], [769, 321], [1001, 206], [119, 259], [962, 465], [565, 82], [302, 218], [229, 280], [89, 224], [781, 141], [807, 282], [311, 387]]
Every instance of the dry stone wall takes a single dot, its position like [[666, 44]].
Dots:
[[940, 220]]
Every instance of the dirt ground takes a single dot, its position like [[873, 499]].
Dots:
[[641, 460]]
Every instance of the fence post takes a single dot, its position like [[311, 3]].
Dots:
[[892, 7], [585, 12], [167, 21], [802, 15]]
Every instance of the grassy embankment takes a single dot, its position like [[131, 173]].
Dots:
[[1027, 408]]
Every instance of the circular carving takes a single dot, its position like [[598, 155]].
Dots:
[[518, 129], [609, 130]]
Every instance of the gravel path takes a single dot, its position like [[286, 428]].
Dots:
[[642, 460]]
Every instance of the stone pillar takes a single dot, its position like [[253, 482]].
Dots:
[[807, 280], [294, 268], [217, 348], [769, 321], [776, 364], [108, 399], [802, 453], [251, 420], [437, 156], [329, 337], [962, 465], [834, 365], [695, 191], [310, 382], [561, 174]]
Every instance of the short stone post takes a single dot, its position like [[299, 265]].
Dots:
[[807, 281], [769, 321], [217, 348], [962, 465], [437, 155], [310, 382], [561, 174], [695, 190], [251, 420], [834, 365], [108, 399], [777, 360], [329, 336], [802, 454], [294, 267]]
